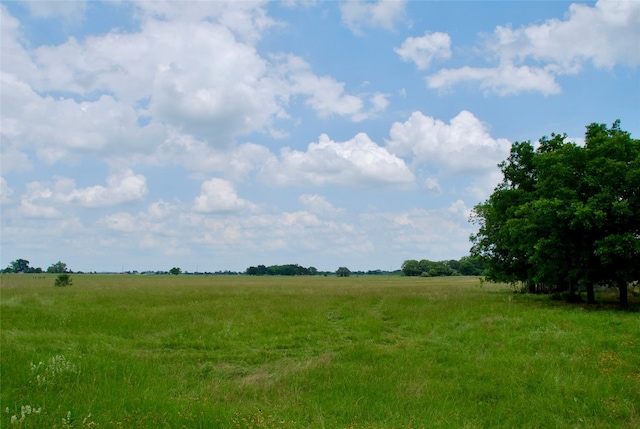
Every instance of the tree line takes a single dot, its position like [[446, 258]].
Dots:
[[22, 266], [281, 270], [466, 266], [565, 217]]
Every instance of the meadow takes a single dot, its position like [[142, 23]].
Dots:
[[369, 352]]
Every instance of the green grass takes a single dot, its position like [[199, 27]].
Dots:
[[318, 352]]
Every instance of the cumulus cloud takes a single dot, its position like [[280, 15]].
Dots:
[[190, 71], [122, 187], [38, 203], [506, 79], [219, 196], [5, 191], [356, 163], [319, 205], [41, 200], [59, 128], [605, 34], [381, 14], [462, 146], [323, 94], [530, 57], [246, 19], [424, 50], [69, 10]]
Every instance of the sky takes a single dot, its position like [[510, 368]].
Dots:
[[212, 136]]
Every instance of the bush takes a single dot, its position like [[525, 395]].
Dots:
[[63, 280]]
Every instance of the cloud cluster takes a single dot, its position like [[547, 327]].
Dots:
[[462, 146], [381, 14], [358, 162], [530, 58], [219, 196], [43, 200], [424, 50], [190, 70]]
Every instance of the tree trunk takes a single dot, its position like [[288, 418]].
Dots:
[[624, 296], [591, 295]]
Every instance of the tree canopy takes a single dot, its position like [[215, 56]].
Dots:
[[281, 270], [466, 266], [21, 266], [57, 268], [343, 272], [565, 216]]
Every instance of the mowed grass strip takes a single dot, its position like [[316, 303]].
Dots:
[[280, 352]]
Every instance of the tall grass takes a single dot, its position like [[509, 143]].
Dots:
[[358, 352]]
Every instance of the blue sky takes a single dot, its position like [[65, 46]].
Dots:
[[216, 136]]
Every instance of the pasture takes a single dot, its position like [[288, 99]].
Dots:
[[371, 352]]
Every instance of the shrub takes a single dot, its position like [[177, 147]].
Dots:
[[63, 280]]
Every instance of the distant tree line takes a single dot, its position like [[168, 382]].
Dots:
[[466, 266], [22, 266], [281, 270]]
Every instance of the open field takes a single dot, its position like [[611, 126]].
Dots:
[[320, 352]]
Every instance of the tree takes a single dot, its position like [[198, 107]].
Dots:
[[18, 266], [343, 272], [411, 267], [175, 271], [58, 267], [63, 280], [565, 216]]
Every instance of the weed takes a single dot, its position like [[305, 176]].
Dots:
[[25, 411], [50, 371]]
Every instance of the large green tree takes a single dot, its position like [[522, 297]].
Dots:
[[565, 216], [21, 266], [57, 268]]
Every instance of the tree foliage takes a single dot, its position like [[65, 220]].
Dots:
[[343, 272], [281, 270], [466, 266], [565, 216], [21, 266], [175, 271], [57, 268], [63, 280]]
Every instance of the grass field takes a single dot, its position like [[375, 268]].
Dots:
[[317, 352]]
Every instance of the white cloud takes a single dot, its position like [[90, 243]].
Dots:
[[424, 50], [319, 205], [38, 203], [356, 163], [380, 14], [63, 128], [184, 74], [606, 34], [506, 79], [247, 19], [324, 95], [5, 191], [531, 57], [43, 201], [195, 155], [69, 10], [219, 196], [433, 185], [122, 187], [462, 146]]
